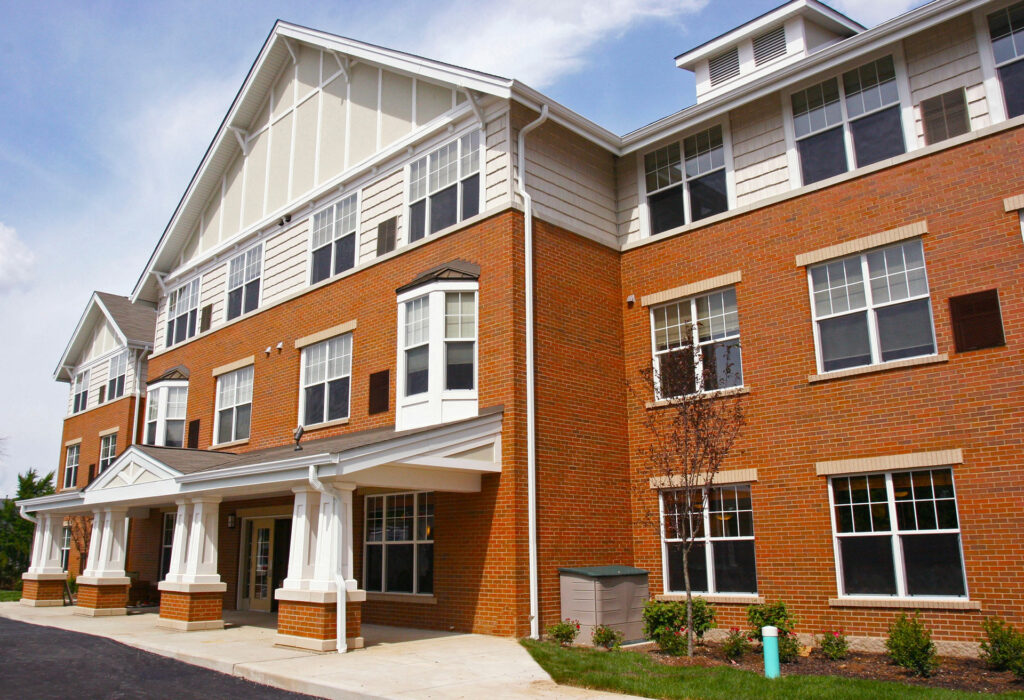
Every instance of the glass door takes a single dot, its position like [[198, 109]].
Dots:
[[261, 565]]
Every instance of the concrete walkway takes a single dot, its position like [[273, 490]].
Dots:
[[396, 663]]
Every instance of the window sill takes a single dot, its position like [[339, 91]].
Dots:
[[908, 603], [328, 424], [720, 598], [732, 391], [883, 367], [233, 443], [416, 598]]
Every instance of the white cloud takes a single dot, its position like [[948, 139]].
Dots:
[[872, 12], [16, 260]]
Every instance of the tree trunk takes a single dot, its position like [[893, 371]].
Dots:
[[686, 575]]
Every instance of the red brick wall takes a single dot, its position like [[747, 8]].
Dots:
[[190, 607], [317, 620], [101, 596], [87, 426], [42, 590], [972, 402]]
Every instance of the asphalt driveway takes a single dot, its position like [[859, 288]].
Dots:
[[44, 662]]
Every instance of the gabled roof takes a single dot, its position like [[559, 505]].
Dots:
[[133, 324], [180, 372], [454, 270]]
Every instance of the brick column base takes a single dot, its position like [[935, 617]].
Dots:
[[42, 590], [101, 599], [190, 610], [308, 619]]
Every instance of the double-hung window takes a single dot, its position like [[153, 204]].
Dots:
[[108, 450], [65, 547], [166, 544], [459, 340], [444, 186], [897, 534], [116, 376], [182, 306], [1006, 29], [872, 308], [71, 465], [326, 380], [721, 529], [399, 543], [856, 116], [234, 405], [688, 185], [80, 392], [165, 415], [697, 344], [417, 346], [334, 239], [244, 272]]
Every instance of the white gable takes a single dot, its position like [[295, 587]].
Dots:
[[132, 468]]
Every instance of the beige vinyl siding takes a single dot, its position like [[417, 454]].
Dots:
[[212, 291], [285, 263], [99, 372], [255, 179], [496, 162], [332, 128], [362, 139], [232, 207], [380, 200], [304, 151], [280, 164], [431, 101], [395, 107], [759, 150], [942, 59], [628, 214], [103, 340]]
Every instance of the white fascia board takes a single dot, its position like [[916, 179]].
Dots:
[[62, 365], [50, 502], [135, 493], [132, 454], [257, 470], [835, 55], [562, 115], [814, 11]]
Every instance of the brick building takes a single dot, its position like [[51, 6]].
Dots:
[[394, 321]]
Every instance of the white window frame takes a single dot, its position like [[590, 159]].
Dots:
[[727, 166], [72, 456], [80, 390], [869, 308], [437, 404], [158, 396], [896, 534], [906, 108], [334, 206], [257, 252], [707, 540], [235, 377], [994, 89], [384, 542], [191, 292], [696, 343], [167, 524], [118, 371], [303, 385], [108, 452], [412, 195], [65, 547]]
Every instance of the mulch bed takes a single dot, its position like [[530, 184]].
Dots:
[[953, 673]]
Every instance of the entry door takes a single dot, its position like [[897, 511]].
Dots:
[[261, 558]]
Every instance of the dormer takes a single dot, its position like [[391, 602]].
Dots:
[[764, 45]]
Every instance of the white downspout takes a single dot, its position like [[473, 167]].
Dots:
[[138, 394], [26, 516], [531, 437], [339, 578]]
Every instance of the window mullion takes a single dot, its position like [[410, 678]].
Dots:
[[709, 560], [698, 358], [851, 156], [897, 545], [415, 548], [664, 544], [687, 207], [876, 352]]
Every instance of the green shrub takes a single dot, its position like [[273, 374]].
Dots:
[[835, 645], [789, 647], [665, 623], [564, 632], [910, 645], [774, 614], [1003, 647], [735, 645], [607, 637]]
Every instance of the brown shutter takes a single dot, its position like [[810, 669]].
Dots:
[[944, 116], [976, 320], [206, 318], [193, 434], [380, 391], [103, 394], [386, 232]]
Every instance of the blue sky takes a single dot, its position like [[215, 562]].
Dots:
[[107, 108]]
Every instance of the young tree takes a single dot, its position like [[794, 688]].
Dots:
[[690, 428], [16, 532], [81, 537]]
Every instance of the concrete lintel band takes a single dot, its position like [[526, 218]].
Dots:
[[325, 334], [232, 366], [857, 245], [727, 476], [1013, 203], [687, 290], [913, 460]]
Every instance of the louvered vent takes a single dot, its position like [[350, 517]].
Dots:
[[724, 66], [769, 45]]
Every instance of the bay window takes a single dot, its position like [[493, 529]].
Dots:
[[244, 271], [721, 528], [165, 414], [399, 543], [853, 117], [333, 240], [182, 307], [444, 186], [897, 534], [686, 185], [326, 380], [872, 307], [234, 405], [1006, 29]]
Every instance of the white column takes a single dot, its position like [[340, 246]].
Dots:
[[327, 545], [347, 565], [48, 533], [112, 553], [201, 563], [92, 562], [302, 552], [179, 545]]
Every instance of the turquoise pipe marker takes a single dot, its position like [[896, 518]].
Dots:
[[770, 644]]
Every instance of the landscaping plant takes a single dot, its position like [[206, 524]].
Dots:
[[735, 645], [789, 647], [834, 645], [564, 632], [910, 645], [605, 636], [774, 614], [665, 623], [1003, 646]]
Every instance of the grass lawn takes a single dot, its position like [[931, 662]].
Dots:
[[635, 673], [6, 596]]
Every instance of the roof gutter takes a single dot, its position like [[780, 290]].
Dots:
[[531, 408], [24, 514], [339, 577]]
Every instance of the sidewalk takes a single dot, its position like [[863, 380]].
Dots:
[[397, 662]]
